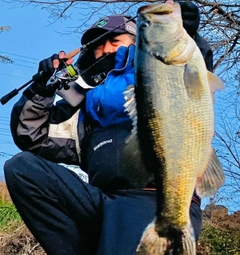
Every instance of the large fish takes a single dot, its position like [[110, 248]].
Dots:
[[174, 125]]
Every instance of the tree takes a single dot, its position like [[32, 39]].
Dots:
[[5, 59], [220, 25], [220, 20]]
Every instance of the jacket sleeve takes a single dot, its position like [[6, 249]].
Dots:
[[191, 20], [48, 130], [205, 50]]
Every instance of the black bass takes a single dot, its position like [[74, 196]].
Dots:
[[174, 125]]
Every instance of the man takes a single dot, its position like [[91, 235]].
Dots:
[[66, 215]]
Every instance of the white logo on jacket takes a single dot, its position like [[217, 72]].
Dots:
[[102, 143]]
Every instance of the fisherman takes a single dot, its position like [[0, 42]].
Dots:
[[65, 214]]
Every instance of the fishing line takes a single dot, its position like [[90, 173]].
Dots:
[[38, 75]]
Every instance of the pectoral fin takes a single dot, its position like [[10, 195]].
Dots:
[[132, 160], [212, 179], [131, 106], [215, 83]]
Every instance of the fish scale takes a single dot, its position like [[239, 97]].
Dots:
[[167, 102], [174, 126]]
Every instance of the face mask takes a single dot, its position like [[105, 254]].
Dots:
[[105, 63], [96, 71]]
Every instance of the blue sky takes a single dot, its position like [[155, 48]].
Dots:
[[30, 39]]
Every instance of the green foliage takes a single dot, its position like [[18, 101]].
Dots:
[[215, 241], [8, 213]]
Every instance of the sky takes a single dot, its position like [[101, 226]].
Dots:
[[32, 37]]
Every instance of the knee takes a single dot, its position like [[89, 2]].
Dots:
[[17, 164]]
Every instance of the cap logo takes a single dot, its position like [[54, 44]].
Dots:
[[131, 29], [102, 22]]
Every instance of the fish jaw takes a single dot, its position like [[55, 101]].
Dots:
[[161, 23], [161, 13]]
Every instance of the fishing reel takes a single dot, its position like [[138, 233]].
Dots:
[[71, 85], [71, 73], [64, 77]]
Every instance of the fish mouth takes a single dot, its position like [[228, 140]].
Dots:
[[160, 13], [157, 9]]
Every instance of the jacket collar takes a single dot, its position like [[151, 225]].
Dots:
[[124, 57]]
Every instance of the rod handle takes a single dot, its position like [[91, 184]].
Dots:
[[8, 96], [72, 53]]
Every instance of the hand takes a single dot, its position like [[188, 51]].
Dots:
[[48, 66], [190, 16]]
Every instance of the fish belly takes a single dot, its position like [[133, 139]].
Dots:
[[175, 123]]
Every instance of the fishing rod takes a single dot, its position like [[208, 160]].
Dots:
[[69, 55], [35, 77]]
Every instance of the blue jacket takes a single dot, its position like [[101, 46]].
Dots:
[[105, 103], [55, 132]]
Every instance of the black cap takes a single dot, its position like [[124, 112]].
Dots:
[[109, 23]]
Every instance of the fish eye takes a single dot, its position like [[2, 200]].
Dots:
[[145, 24]]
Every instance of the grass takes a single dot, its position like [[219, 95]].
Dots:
[[8, 213], [219, 236], [15, 238], [4, 195]]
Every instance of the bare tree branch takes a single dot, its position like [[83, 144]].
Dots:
[[220, 26], [4, 28]]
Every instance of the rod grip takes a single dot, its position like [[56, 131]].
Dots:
[[72, 53], [9, 96]]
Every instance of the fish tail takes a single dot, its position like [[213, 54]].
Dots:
[[188, 240], [152, 243]]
